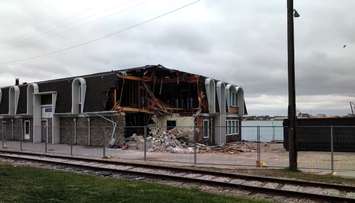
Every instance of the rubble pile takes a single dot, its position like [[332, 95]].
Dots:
[[168, 142], [135, 142], [173, 141], [182, 141], [236, 147]]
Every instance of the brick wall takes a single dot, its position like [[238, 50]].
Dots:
[[100, 130], [66, 130], [12, 129]]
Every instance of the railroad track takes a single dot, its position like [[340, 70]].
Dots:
[[260, 184]]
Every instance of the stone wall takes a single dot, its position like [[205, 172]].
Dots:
[[82, 131], [94, 132], [66, 130], [13, 129], [43, 128]]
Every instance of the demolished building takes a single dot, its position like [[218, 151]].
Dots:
[[106, 107]]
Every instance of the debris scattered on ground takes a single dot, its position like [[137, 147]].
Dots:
[[236, 147], [173, 141], [181, 141]]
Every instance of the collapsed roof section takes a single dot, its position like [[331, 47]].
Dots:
[[151, 89]]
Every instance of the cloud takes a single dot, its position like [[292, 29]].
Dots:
[[243, 42]]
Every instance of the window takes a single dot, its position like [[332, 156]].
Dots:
[[232, 127], [206, 128], [233, 99], [170, 124], [46, 99]]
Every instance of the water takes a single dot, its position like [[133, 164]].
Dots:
[[269, 130]]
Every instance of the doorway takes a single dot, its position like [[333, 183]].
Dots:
[[44, 130], [206, 129], [27, 130]]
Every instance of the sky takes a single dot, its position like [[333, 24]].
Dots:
[[240, 41]]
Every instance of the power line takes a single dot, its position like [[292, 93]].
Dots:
[[102, 37], [85, 19]]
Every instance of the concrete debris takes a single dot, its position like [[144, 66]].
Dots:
[[185, 135], [173, 141], [136, 142], [236, 147], [181, 141]]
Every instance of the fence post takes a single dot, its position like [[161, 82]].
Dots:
[[258, 162], [72, 138], [332, 148], [4, 136], [104, 147], [89, 131], [46, 140], [22, 134], [145, 143], [12, 129], [195, 145], [75, 139]]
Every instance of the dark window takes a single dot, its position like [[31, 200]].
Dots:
[[170, 124], [206, 128], [46, 99], [27, 127]]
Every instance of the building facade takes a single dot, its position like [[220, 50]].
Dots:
[[104, 108]]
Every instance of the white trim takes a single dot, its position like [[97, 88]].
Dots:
[[232, 127], [221, 95], [32, 89], [78, 95], [211, 94], [14, 95], [27, 136], [48, 92]]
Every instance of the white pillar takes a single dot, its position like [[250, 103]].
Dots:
[[220, 133]]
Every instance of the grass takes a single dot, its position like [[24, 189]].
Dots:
[[26, 184], [286, 173]]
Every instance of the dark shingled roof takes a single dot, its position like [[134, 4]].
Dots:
[[4, 104], [98, 85]]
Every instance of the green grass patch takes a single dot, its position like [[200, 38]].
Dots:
[[26, 184], [285, 173]]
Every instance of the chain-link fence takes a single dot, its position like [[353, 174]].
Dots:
[[320, 148]]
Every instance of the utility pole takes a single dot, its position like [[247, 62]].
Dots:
[[291, 87]]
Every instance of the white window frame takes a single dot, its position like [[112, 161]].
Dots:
[[203, 128], [27, 136], [78, 95], [232, 127], [233, 99]]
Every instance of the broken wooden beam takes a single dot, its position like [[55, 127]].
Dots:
[[135, 78], [133, 110]]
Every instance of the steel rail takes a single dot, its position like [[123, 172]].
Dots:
[[196, 170], [259, 189]]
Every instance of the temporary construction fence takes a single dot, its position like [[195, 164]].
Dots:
[[320, 148]]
